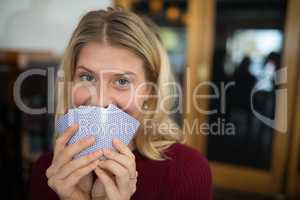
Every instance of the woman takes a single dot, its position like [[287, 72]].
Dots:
[[114, 58]]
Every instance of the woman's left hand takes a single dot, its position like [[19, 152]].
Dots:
[[118, 173]]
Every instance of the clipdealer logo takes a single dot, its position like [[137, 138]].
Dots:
[[279, 123]]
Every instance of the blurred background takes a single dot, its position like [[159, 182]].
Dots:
[[228, 47]]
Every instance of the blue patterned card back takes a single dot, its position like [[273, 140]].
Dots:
[[103, 123]]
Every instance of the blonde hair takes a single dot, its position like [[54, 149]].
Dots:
[[121, 28]]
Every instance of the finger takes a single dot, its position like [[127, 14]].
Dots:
[[121, 173], [72, 166], [50, 172], [110, 188], [70, 151], [86, 182], [122, 159], [98, 190], [74, 178], [62, 140], [122, 148]]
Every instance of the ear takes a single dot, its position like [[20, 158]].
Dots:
[[148, 90]]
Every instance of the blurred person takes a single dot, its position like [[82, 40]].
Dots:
[[264, 102]]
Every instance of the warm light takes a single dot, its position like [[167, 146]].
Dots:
[[156, 6], [173, 13]]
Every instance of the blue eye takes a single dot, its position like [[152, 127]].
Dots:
[[86, 77], [122, 82]]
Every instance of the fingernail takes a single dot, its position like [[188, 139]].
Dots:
[[91, 139], [74, 125], [96, 153], [116, 140], [99, 152]]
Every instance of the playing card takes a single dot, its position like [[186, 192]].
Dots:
[[104, 124], [65, 121]]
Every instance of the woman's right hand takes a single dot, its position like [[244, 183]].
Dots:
[[65, 175]]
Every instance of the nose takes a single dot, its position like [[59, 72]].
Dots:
[[102, 101], [103, 98]]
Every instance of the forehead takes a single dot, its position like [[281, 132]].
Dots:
[[103, 57]]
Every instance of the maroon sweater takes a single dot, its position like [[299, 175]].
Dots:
[[186, 176]]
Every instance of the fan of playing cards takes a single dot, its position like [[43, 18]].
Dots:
[[104, 124]]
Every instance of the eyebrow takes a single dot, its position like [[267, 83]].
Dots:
[[119, 74]]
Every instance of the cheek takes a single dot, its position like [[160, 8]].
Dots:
[[127, 103], [132, 105], [80, 95]]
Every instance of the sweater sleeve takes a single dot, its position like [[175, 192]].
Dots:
[[189, 176], [39, 182]]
